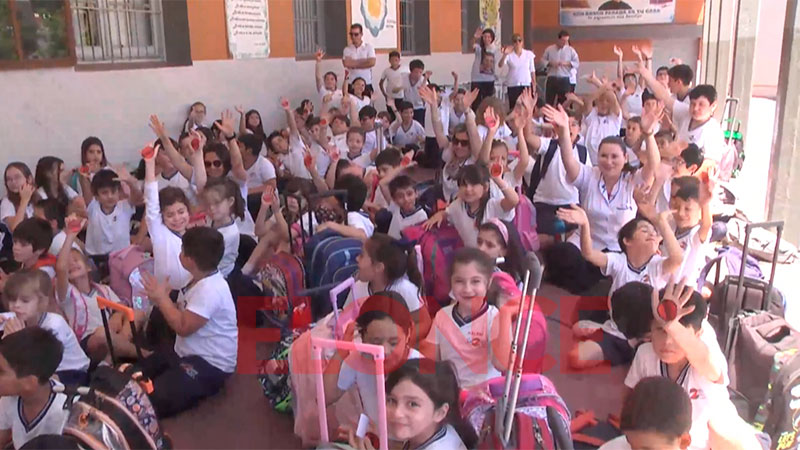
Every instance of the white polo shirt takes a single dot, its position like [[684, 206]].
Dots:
[[336, 97], [596, 128], [554, 189], [106, 233], [179, 181], [360, 220], [411, 91], [709, 136], [520, 68], [166, 243], [73, 358], [607, 213], [294, 160], [401, 221], [403, 286], [364, 51], [692, 247], [50, 420], [415, 134], [230, 236], [393, 79], [7, 209], [260, 172], [633, 102], [459, 216]]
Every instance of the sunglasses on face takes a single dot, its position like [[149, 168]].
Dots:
[[216, 164], [461, 142]]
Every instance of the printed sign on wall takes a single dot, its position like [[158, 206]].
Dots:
[[248, 28], [379, 19], [616, 12]]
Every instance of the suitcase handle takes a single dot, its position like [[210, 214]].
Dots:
[[105, 304], [778, 224]]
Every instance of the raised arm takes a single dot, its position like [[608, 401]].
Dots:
[[505, 51], [237, 165], [653, 157], [62, 261], [242, 120], [575, 214], [618, 52], [136, 198], [510, 196], [318, 69], [523, 122], [25, 194], [431, 97], [560, 119], [490, 118], [166, 144], [707, 187], [661, 93]]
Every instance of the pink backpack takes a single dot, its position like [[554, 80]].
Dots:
[[438, 246], [525, 222], [120, 266]]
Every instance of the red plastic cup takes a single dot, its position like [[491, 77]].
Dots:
[[496, 170], [267, 197], [148, 152], [490, 122], [84, 170], [74, 224], [667, 310], [195, 144], [441, 205], [704, 177], [307, 160], [199, 217], [406, 161], [285, 103], [323, 122]]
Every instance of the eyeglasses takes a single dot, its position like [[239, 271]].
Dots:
[[216, 164], [461, 142]]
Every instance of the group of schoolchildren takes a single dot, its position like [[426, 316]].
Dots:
[[633, 209]]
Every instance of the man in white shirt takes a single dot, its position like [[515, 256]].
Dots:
[[560, 59], [359, 58], [521, 69]]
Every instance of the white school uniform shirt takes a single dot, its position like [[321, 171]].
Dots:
[[454, 120], [371, 141], [446, 438], [166, 243], [359, 103], [393, 79], [230, 235], [71, 194], [411, 91], [466, 343], [504, 134], [709, 136], [106, 233], [444, 115], [693, 251], [50, 420], [554, 189], [336, 97], [633, 160], [459, 216], [58, 242], [216, 341], [401, 221], [360, 220], [365, 51], [450, 173], [520, 68], [246, 225], [634, 101], [294, 159], [7, 209], [596, 128], [179, 181], [81, 310], [708, 398], [363, 160], [403, 286], [606, 213], [358, 371], [508, 177], [73, 357], [260, 172], [415, 134], [622, 273], [565, 53]]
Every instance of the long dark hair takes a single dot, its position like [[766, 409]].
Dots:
[[476, 174], [438, 380], [259, 130], [88, 142], [51, 184], [398, 258], [222, 153], [26, 172], [514, 264], [225, 188]]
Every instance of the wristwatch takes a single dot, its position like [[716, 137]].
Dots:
[[231, 137]]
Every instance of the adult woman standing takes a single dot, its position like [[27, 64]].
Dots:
[[483, 67], [521, 69]]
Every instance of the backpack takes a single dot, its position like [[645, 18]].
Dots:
[[330, 253], [543, 163], [732, 257], [525, 222], [762, 242], [273, 374], [779, 415], [541, 418], [113, 412], [282, 277], [438, 247], [121, 264]]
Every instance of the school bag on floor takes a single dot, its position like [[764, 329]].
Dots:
[[273, 374], [121, 265], [438, 247], [282, 277], [333, 260], [779, 415]]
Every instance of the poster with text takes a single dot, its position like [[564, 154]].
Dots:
[[248, 28], [379, 19], [490, 16], [616, 12]]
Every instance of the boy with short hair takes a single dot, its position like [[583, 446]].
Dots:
[[393, 78], [404, 209], [665, 426], [356, 137], [416, 79], [405, 130], [359, 226], [367, 121], [204, 320], [54, 212], [692, 223], [679, 81], [689, 162], [32, 239], [29, 407], [633, 140]]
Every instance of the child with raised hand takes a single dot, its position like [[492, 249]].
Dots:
[[54, 213], [28, 294], [260, 171], [250, 123], [474, 205], [383, 319], [500, 239], [204, 320], [639, 261], [633, 140], [386, 264], [225, 204], [327, 88], [405, 130], [484, 355], [167, 216], [291, 152], [109, 213], [404, 210], [692, 220], [196, 117], [602, 117], [17, 204], [77, 295], [185, 166], [422, 409], [29, 407], [645, 426], [32, 239]]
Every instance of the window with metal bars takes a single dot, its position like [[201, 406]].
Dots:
[[407, 39], [309, 34], [118, 31]]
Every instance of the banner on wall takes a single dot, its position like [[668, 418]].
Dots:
[[379, 19], [489, 11], [616, 12], [248, 28]]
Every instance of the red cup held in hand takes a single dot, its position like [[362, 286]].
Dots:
[[667, 310], [267, 197], [285, 103], [195, 144], [74, 224], [490, 122], [406, 161], [84, 170], [323, 122], [496, 170], [199, 217], [148, 152], [307, 160]]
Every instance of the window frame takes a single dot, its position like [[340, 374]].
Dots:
[[319, 29], [23, 63], [407, 5]]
